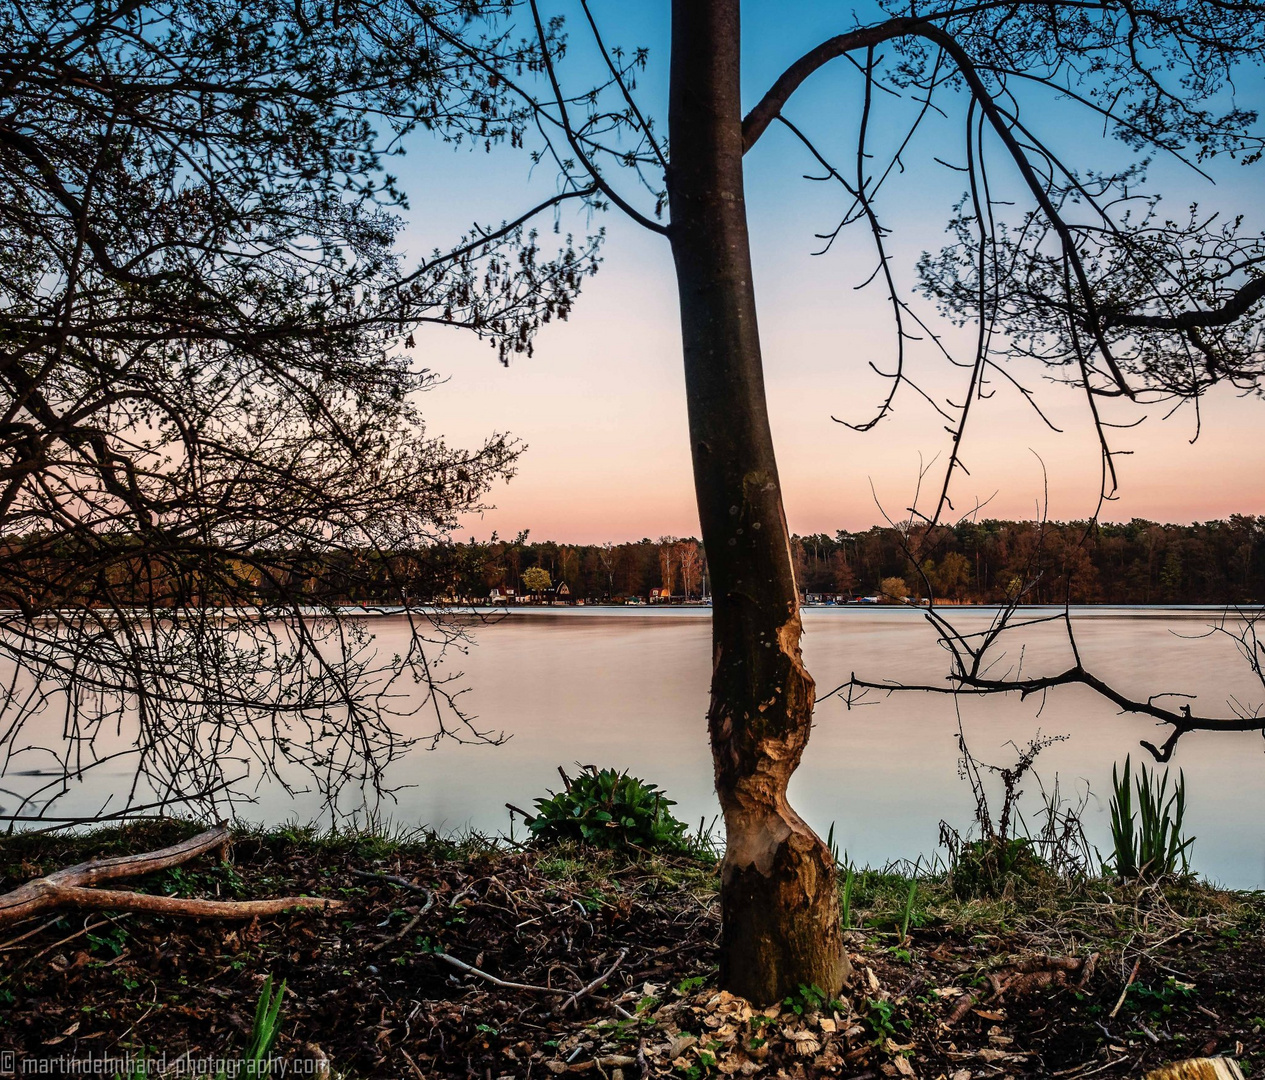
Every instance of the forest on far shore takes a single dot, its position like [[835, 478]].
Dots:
[[989, 561], [1139, 562]]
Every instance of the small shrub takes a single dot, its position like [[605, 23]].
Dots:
[[1002, 855], [984, 867], [883, 1022], [609, 809], [1163, 1000], [811, 999], [1147, 844]]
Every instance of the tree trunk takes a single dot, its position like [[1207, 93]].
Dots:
[[780, 905]]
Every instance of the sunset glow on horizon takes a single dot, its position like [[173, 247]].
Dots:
[[601, 409]]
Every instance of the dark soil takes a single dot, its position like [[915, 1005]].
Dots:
[[996, 988]]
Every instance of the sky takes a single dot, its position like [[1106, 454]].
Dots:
[[600, 406]]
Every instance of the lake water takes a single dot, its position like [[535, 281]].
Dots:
[[627, 687]]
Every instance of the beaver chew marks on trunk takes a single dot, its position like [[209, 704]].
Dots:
[[779, 902], [780, 913]]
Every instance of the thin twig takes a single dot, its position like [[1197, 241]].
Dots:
[[468, 969], [595, 983], [413, 1064], [1137, 964], [12, 942], [392, 879], [78, 933], [408, 926]]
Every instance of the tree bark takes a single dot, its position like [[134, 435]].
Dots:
[[779, 901]]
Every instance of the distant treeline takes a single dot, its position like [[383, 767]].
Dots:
[[1142, 562], [1139, 562]]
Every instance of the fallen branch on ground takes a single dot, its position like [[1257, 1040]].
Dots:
[[73, 887], [469, 969], [1031, 973], [572, 996], [595, 983], [390, 879]]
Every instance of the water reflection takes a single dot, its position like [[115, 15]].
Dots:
[[628, 688]]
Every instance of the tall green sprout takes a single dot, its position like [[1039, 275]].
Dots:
[[1148, 843], [256, 1061]]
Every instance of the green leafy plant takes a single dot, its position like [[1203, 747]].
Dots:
[[111, 941], [810, 999], [1163, 1000], [263, 1033], [881, 1019], [983, 867], [832, 845], [609, 809], [1148, 843]]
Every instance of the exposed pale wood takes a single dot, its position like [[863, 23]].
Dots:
[[1198, 1069], [72, 887]]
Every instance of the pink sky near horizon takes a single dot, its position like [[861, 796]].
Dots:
[[601, 407]]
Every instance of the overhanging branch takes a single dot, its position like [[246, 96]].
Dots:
[[768, 107], [1181, 721], [1235, 307]]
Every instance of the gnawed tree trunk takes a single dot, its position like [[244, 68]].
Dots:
[[780, 905]]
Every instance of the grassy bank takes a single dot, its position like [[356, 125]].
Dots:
[[1051, 978]]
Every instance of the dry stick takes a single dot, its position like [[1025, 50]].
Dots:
[[392, 879], [1128, 983], [13, 942], [460, 965], [595, 983], [413, 1064], [78, 933], [572, 997], [408, 926], [71, 887], [124, 900]]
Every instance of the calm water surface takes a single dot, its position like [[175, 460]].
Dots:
[[628, 688]]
